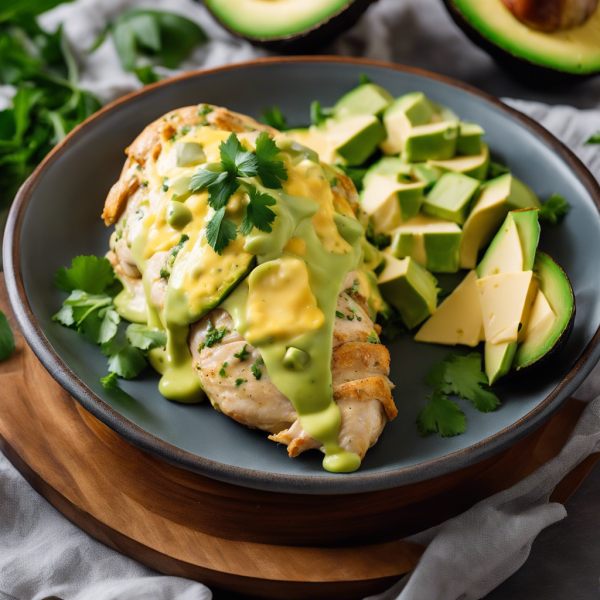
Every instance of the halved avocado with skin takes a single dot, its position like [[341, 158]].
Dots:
[[288, 25], [538, 56], [548, 338]]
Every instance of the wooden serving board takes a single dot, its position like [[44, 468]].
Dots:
[[265, 544]]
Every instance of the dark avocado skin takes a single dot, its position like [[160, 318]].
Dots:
[[312, 38], [521, 69]]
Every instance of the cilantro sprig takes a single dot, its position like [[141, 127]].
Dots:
[[223, 179], [461, 376], [554, 209], [90, 310]]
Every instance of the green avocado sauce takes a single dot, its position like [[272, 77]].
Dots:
[[310, 387]]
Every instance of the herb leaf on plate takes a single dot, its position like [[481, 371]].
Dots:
[[7, 339], [88, 273], [275, 118], [554, 209], [142, 337], [441, 415]]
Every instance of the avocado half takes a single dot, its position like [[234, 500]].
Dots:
[[538, 57], [288, 26], [557, 288]]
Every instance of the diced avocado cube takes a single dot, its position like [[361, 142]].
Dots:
[[349, 228], [180, 188], [426, 173], [390, 203], [392, 167], [496, 198], [355, 138], [295, 359], [435, 141], [469, 139], [366, 99], [476, 166], [376, 303], [315, 139], [406, 112], [297, 151], [178, 214], [189, 153], [406, 285], [433, 243], [451, 197]]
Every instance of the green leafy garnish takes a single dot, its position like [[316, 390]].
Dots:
[[275, 118], [364, 78], [165, 37], [7, 339], [255, 368], [258, 213], [239, 381], [441, 415], [318, 114], [554, 209], [213, 336], [496, 169], [270, 171], [124, 359], [88, 273], [222, 372], [594, 139], [460, 375], [220, 231], [243, 354], [110, 381], [339, 315], [373, 338], [142, 337]]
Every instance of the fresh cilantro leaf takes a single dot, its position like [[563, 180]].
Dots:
[[594, 139], [220, 193], [441, 415], [222, 372], [496, 169], [318, 114], [236, 160], [213, 336], [554, 209], [255, 368], [339, 315], [123, 359], [240, 381], [142, 337], [258, 213], [204, 109], [463, 376], [243, 354], [100, 326], [274, 117], [270, 171], [204, 178], [110, 382], [79, 306], [87, 273], [220, 231], [7, 339], [363, 78]]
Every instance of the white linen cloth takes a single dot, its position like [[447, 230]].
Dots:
[[43, 555]]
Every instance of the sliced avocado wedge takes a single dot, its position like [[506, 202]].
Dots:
[[451, 197], [498, 359], [366, 99], [536, 56], [434, 141], [427, 173], [390, 203], [475, 166], [458, 318], [288, 25], [546, 336], [315, 139], [405, 112], [355, 138], [433, 243], [406, 285]]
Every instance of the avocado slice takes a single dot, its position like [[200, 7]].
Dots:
[[496, 198], [390, 166], [354, 138], [406, 285], [458, 318], [451, 197], [315, 139], [434, 141], [288, 25], [530, 54], [475, 166], [366, 99], [406, 112], [433, 243], [391, 203], [547, 333], [469, 139], [188, 153], [427, 173]]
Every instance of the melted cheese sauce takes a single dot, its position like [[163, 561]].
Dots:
[[289, 299]]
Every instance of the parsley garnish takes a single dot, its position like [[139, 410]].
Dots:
[[144, 338], [339, 315], [222, 181], [255, 368], [594, 139], [460, 375], [555, 208], [166, 270], [274, 117], [88, 273], [204, 109], [213, 336], [239, 381], [7, 339], [496, 169], [222, 372], [243, 354], [373, 338], [110, 381]]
